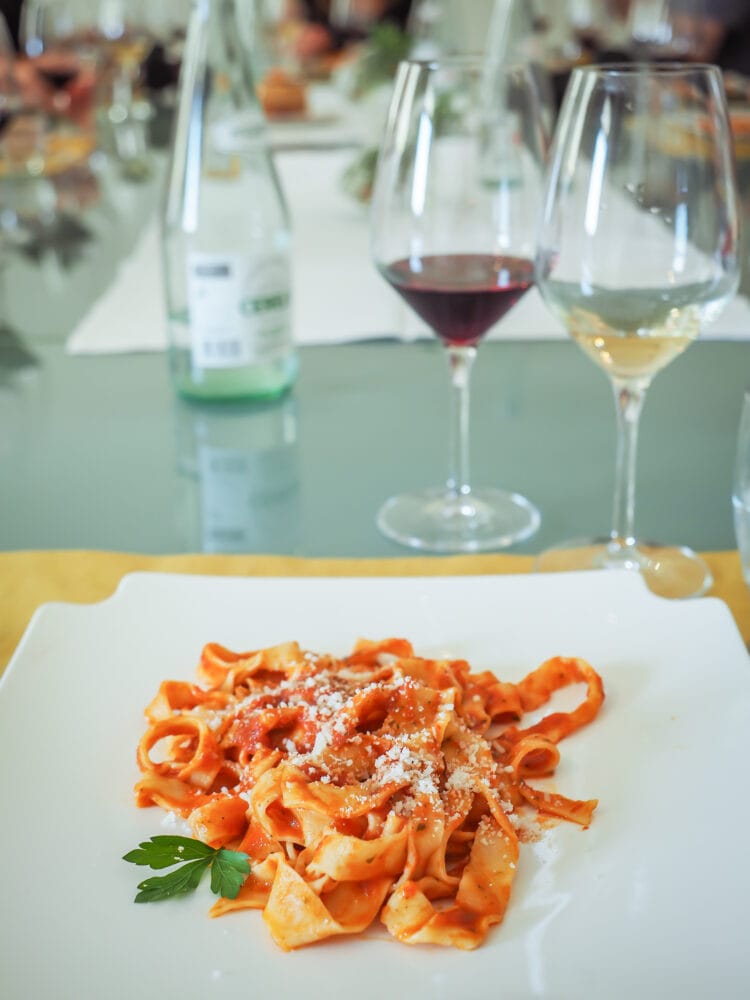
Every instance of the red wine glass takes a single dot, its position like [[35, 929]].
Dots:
[[48, 38], [456, 196]]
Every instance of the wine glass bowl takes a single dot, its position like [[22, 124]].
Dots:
[[453, 213], [48, 35], [638, 248], [54, 37]]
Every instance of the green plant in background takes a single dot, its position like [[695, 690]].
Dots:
[[384, 49], [358, 178], [372, 71]]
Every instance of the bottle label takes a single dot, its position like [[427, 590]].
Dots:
[[239, 310]]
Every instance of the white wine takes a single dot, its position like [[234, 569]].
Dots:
[[631, 356], [633, 333]]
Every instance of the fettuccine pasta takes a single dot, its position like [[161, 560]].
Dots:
[[382, 784]]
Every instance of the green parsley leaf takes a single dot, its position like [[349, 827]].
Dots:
[[177, 883], [228, 872], [165, 851], [229, 869]]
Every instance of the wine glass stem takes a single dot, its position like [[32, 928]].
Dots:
[[629, 398], [460, 364], [122, 90]]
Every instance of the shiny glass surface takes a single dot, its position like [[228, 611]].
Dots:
[[96, 452]]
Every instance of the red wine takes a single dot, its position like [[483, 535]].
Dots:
[[461, 295], [58, 76]]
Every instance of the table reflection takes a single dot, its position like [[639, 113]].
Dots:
[[240, 476]]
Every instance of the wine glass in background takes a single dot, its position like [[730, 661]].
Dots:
[[167, 25], [24, 199], [454, 208], [10, 100], [511, 37], [424, 28], [639, 246], [10, 106], [354, 15], [44, 30], [51, 39], [661, 30], [648, 24], [125, 35]]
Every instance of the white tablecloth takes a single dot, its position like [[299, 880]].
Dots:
[[338, 294]]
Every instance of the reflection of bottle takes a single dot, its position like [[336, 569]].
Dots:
[[226, 229], [240, 462]]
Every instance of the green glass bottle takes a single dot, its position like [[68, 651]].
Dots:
[[226, 232]]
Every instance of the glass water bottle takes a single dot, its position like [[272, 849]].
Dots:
[[226, 234]]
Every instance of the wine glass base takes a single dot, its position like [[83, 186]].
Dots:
[[436, 520], [669, 571]]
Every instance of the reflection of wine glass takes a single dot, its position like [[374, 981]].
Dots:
[[638, 247], [454, 206]]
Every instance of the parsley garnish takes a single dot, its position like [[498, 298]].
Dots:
[[229, 869]]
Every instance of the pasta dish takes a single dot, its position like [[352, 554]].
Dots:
[[382, 784]]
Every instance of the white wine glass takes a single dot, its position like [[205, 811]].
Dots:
[[638, 248], [453, 220]]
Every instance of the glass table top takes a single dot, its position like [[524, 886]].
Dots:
[[98, 452]]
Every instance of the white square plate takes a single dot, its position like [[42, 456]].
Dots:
[[650, 901]]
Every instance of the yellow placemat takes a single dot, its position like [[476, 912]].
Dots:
[[31, 578]]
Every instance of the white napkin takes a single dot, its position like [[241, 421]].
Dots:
[[130, 315], [338, 294]]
